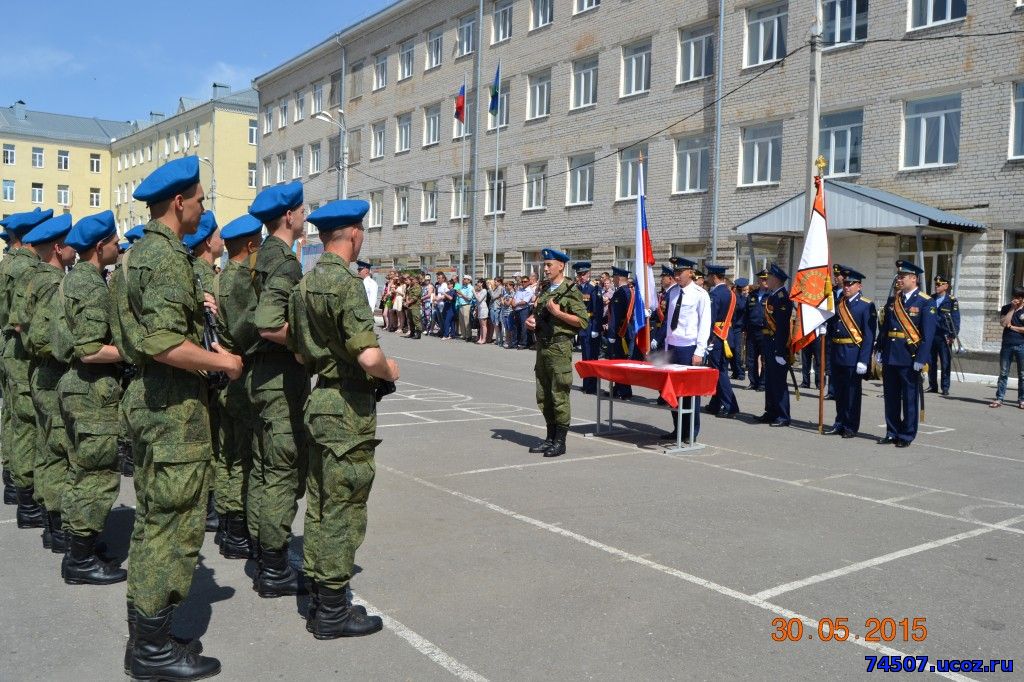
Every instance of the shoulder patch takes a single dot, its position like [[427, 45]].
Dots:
[[866, 299], [924, 295], [780, 294]]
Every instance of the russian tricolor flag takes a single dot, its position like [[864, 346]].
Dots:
[[460, 105], [643, 268]]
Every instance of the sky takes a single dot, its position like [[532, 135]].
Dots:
[[121, 60]]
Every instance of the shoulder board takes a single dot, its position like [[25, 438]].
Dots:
[[865, 299], [780, 294], [924, 295]]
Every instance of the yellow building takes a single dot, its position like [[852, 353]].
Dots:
[[221, 131], [55, 161]]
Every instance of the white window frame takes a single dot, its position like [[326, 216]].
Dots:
[[832, 134], [403, 133], [254, 130], [696, 46], [266, 171], [495, 193], [435, 49], [462, 129], [38, 157], [501, 22], [835, 22], [317, 99], [268, 124], [297, 163], [376, 209], [378, 140], [66, 156], [460, 198], [930, 6], [251, 180], [282, 114], [542, 13], [500, 120], [38, 192], [428, 202], [757, 141], [580, 187], [535, 187], [636, 63], [1017, 118], [95, 164], [581, 6], [10, 156], [380, 71], [927, 119], [432, 125], [282, 166], [759, 21], [11, 185], [691, 167], [467, 36], [584, 83], [300, 105], [627, 183], [63, 195], [538, 104], [95, 197], [406, 54], [401, 206], [315, 160]]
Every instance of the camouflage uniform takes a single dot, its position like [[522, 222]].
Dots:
[[5, 407], [90, 396], [168, 421], [553, 368], [205, 274], [278, 387], [415, 297], [332, 324]]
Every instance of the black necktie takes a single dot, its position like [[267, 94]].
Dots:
[[675, 313]]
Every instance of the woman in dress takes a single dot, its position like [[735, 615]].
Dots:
[[482, 312]]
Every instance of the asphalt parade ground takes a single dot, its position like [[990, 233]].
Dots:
[[615, 561]]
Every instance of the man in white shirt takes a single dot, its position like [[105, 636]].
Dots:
[[370, 284]]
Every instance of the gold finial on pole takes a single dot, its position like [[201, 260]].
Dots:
[[822, 164]]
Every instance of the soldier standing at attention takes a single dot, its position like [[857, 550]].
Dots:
[[279, 386], [559, 313], [904, 345], [118, 301], [851, 332], [10, 494], [332, 324], [414, 307], [723, 308], [739, 323], [590, 334], [236, 491], [90, 395], [947, 328], [621, 342], [778, 311], [168, 421], [755, 333]]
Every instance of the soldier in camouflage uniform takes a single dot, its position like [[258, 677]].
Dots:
[[165, 408], [333, 327], [560, 313], [414, 295], [10, 494], [47, 346], [89, 396], [278, 386], [119, 311], [239, 430], [19, 433]]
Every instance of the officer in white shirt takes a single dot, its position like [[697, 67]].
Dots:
[[370, 284]]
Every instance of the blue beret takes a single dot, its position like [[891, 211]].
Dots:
[[135, 234], [554, 254], [666, 271], [242, 226], [680, 263], [207, 224], [274, 201], [123, 246], [170, 179], [20, 223], [715, 270], [581, 266], [778, 272], [335, 215], [852, 276], [363, 265], [741, 282], [90, 230], [905, 266], [49, 230], [619, 272]]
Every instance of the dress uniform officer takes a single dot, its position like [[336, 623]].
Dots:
[[621, 341], [723, 310], [778, 311], [904, 343], [947, 329], [737, 367], [851, 332], [590, 334], [658, 319], [755, 332]]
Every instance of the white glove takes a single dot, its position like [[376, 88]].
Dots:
[[593, 334], [918, 366], [878, 358], [654, 345], [862, 368], [779, 359]]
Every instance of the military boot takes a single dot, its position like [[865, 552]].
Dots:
[[558, 445], [276, 577], [236, 543], [159, 657], [58, 536], [192, 645], [212, 518], [30, 513], [336, 617], [81, 566], [218, 537], [10, 493], [126, 457], [313, 606], [548, 442], [47, 535]]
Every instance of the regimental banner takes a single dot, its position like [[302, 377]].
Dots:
[[812, 284]]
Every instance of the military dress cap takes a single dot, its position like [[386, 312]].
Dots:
[[619, 272], [666, 271], [941, 279], [207, 225], [905, 266], [49, 230], [581, 266], [838, 268], [762, 273], [852, 276], [170, 179], [243, 226], [554, 254], [20, 223], [715, 270], [698, 274], [91, 230], [274, 201], [680, 263], [135, 234], [778, 272], [741, 282], [363, 265], [334, 215]]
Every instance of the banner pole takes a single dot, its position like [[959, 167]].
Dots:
[[821, 386]]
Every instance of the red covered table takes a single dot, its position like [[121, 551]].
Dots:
[[671, 381]]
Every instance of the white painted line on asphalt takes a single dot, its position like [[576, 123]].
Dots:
[[423, 645], [879, 560], [544, 463], [8, 521], [805, 481], [929, 489], [749, 599], [971, 452], [448, 421], [911, 496], [421, 362], [498, 376]]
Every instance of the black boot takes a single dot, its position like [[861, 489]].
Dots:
[[276, 578], [58, 536], [211, 515], [30, 513], [159, 657], [10, 493], [336, 617], [236, 543], [192, 645], [218, 537], [548, 442], [558, 445], [47, 535], [126, 457], [313, 606], [81, 566]]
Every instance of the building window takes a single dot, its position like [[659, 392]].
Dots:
[[94, 163], [428, 212], [8, 190], [431, 125], [317, 103], [252, 175], [380, 72], [461, 130], [1017, 139], [94, 197], [63, 160], [376, 209], [314, 158], [762, 154], [435, 48], [629, 163], [149, 151], [334, 150], [266, 172], [581, 180], [401, 206], [931, 133], [625, 257], [535, 196], [403, 133], [378, 141], [37, 157], [354, 144], [501, 26], [636, 69], [9, 155], [1014, 263], [117, 195], [355, 84], [467, 36], [282, 115], [282, 162], [495, 192], [499, 119], [691, 171], [584, 5], [766, 34], [925, 13], [195, 140], [63, 195], [846, 21], [539, 104], [584, 83], [300, 105], [405, 56], [296, 163], [253, 123], [542, 13], [840, 142], [268, 124], [696, 55], [460, 199], [37, 192]]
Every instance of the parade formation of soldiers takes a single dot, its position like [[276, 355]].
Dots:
[[207, 375]]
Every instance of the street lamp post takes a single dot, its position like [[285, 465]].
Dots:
[[324, 116], [213, 183]]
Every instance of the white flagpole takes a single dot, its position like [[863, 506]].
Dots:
[[462, 189], [497, 150]]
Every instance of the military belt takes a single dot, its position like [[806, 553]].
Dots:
[[99, 369], [843, 341], [345, 384], [897, 335], [544, 343]]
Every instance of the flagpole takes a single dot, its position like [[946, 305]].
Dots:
[[497, 151], [647, 318], [821, 164], [462, 189]]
